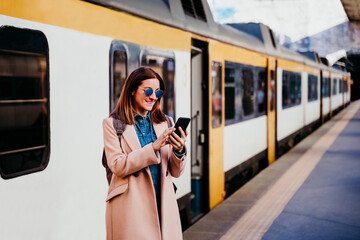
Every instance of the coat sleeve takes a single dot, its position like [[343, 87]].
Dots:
[[176, 165], [121, 163]]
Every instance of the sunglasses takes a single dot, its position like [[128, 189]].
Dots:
[[149, 92]]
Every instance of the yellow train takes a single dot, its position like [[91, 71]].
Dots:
[[62, 67]]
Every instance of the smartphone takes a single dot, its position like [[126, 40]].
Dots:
[[182, 122]]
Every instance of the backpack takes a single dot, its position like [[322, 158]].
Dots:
[[120, 127]]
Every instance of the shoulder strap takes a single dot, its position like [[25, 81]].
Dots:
[[168, 121], [119, 127]]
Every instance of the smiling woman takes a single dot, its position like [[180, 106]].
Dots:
[[143, 163], [133, 97], [144, 97]]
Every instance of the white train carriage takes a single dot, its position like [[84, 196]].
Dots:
[[72, 97], [62, 67]]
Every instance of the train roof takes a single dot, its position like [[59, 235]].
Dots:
[[195, 16]]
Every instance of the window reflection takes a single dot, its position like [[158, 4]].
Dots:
[[24, 121], [248, 91], [325, 88], [165, 66], [216, 94], [261, 90], [245, 92], [341, 85], [312, 88], [291, 89], [272, 90], [119, 66], [334, 90], [229, 92]]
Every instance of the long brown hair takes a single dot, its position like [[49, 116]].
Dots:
[[124, 109]]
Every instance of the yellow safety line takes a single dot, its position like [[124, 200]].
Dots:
[[256, 221]]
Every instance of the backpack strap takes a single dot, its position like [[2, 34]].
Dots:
[[119, 127], [169, 123]]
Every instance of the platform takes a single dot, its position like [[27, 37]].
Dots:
[[311, 192]]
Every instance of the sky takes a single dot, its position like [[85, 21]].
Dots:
[[294, 18]]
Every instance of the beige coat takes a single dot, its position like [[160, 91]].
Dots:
[[131, 209]]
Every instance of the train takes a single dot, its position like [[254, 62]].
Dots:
[[62, 67]]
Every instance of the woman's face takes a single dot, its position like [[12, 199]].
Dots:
[[144, 104]]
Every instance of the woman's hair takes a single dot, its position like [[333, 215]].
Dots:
[[125, 107]]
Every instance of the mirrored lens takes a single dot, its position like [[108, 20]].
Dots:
[[159, 93], [148, 92]]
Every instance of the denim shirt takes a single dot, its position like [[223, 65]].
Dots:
[[146, 135]]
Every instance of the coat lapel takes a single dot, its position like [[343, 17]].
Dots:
[[131, 138], [164, 151], [159, 128]]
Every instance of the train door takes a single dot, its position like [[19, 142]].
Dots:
[[199, 129], [271, 109]]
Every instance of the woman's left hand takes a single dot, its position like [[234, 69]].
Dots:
[[178, 142]]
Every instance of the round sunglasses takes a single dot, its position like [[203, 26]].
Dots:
[[149, 92]]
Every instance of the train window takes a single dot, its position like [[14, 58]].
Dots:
[[334, 90], [229, 103], [325, 88], [272, 90], [118, 71], [229, 74], [24, 102], [248, 94], [346, 86], [165, 66], [291, 89], [312, 88], [261, 90], [216, 94], [233, 106], [229, 92], [340, 86], [245, 92]]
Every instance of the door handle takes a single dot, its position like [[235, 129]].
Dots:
[[201, 137]]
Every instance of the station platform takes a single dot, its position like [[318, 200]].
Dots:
[[311, 192]]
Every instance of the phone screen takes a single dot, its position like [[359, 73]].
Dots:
[[182, 122]]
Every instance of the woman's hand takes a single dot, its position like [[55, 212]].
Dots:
[[178, 142], [163, 139]]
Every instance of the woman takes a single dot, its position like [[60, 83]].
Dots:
[[141, 202]]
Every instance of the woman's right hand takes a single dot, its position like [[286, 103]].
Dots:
[[163, 139]]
